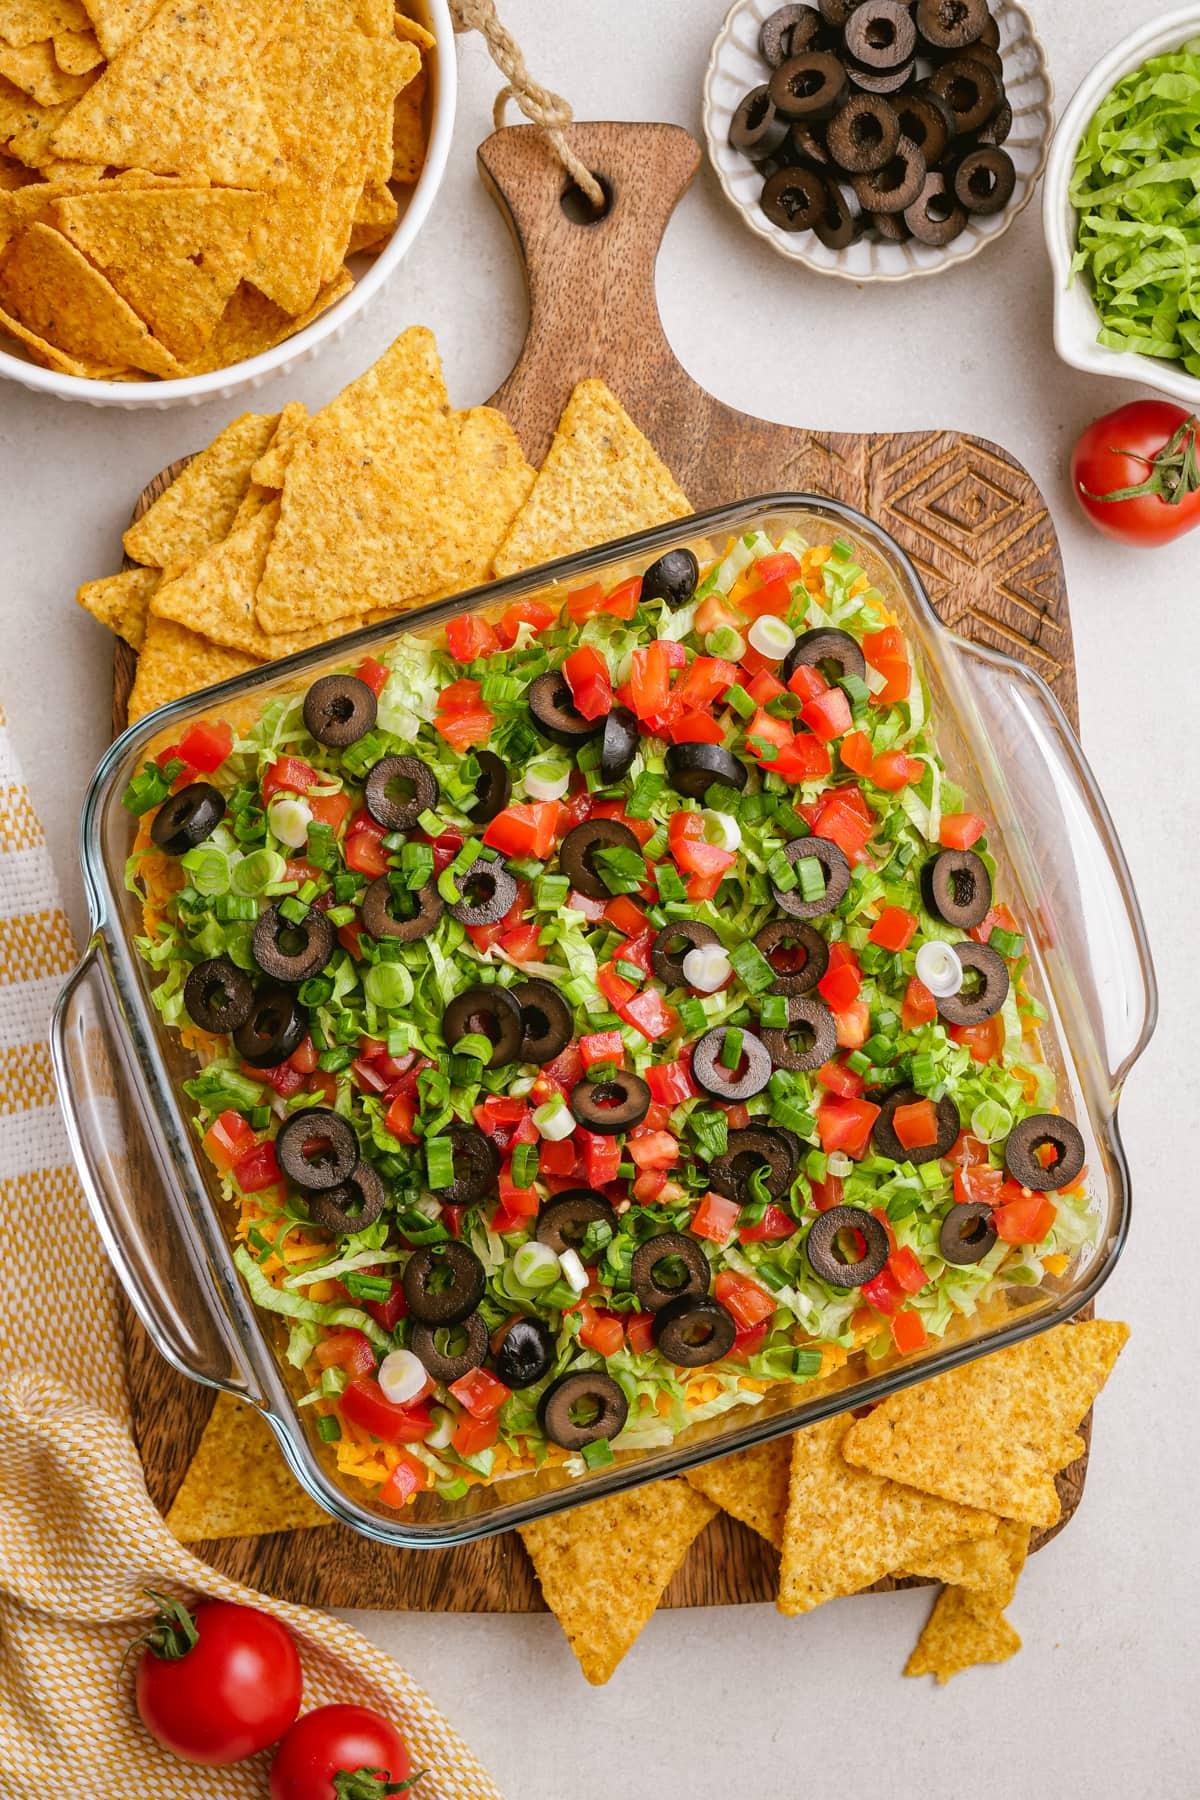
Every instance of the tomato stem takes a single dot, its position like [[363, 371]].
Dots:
[[172, 1634], [371, 1784], [1174, 470]]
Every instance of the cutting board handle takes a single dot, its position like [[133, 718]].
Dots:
[[591, 281]]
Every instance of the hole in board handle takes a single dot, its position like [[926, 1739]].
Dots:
[[579, 208]]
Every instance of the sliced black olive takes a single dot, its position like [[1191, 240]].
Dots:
[[379, 920], [691, 1333], [895, 186], [317, 1149], [693, 768], [970, 90], [580, 845], [809, 86], [890, 227], [489, 1012], [524, 1354], [880, 35], [275, 1027], [672, 577], [749, 1149], [563, 1221], [827, 650], [863, 134], [788, 31], [554, 713], [218, 995], [935, 216], [352, 1205], [493, 787], [881, 81], [619, 744], [443, 1283], [998, 128], [756, 129], [927, 120], [418, 792], [806, 144], [884, 1132], [339, 709], [794, 198], [545, 1020], [807, 1040], [292, 952], [823, 1244], [798, 954], [952, 24], [967, 1234], [990, 59], [667, 1268], [749, 1078], [476, 1164], [607, 1107], [187, 818], [984, 180], [488, 891], [672, 944], [581, 1407], [1044, 1131], [957, 888], [448, 1352], [984, 989], [843, 219], [836, 12], [835, 863]]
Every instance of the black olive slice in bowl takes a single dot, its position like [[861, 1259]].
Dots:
[[668, 1268], [984, 989], [827, 650], [880, 35], [185, 819], [554, 713], [693, 768], [842, 221], [1044, 1131], [581, 1407], [475, 1162], [957, 888], [807, 1040], [488, 891], [291, 951], [897, 185], [756, 129], [580, 845], [546, 1021], [379, 916], [672, 945], [489, 1012], [836, 865], [691, 1333], [351, 1206], [863, 134], [795, 197], [952, 24], [935, 216], [967, 1234], [998, 128], [806, 144], [563, 1221], [398, 790], [749, 1149], [881, 81], [888, 1144], [611, 1106], [448, 1352], [619, 744], [984, 180], [808, 86], [524, 1353], [493, 787], [443, 1283], [788, 31], [672, 577], [218, 995], [317, 1149], [824, 1247], [890, 227], [927, 120], [796, 952], [970, 90], [274, 1027], [751, 1075], [836, 12], [339, 709]]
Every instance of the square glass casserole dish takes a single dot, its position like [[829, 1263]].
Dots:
[[155, 1197]]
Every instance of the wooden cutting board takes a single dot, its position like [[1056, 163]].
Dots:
[[970, 517]]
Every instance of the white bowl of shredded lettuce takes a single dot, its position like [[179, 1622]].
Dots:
[[1121, 212]]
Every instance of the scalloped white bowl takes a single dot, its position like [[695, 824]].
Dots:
[[223, 384], [735, 66]]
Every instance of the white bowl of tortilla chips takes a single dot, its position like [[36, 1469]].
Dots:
[[155, 255]]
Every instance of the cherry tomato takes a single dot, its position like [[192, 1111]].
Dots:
[[339, 1740], [218, 1684], [1136, 473]]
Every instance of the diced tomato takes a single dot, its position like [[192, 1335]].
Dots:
[[845, 1124], [649, 680], [749, 1304], [805, 758], [390, 1311], [712, 613], [828, 715], [897, 676], [518, 1202], [696, 728], [561, 1158], [648, 1186], [642, 829], [827, 1193], [777, 565], [481, 1393], [746, 1341], [304, 1057], [323, 1082], [907, 1270], [1024, 1219], [976, 1184], [773, 596], [257, 1169], [839, 986], [626, 915], [919, 1006], [228, 1139], [400, 1119], [840, 819], [167, 755], [995, 915], [960, 830], [602, 1047], [856, 752], [406, 1478], [288, 772], [349, 1349], [522, 943], [985, 1041], [764, 688], [462, 730], [526, 829], [585, 602], [765, 727], [703, 887], [853, 1026], [364, 851], [592, 910], [469, 637], [884, 644], [653, 1149], [649, 1012], [330, 809], [523, 612], [775, 1223], [639, 1329], [706, 680], [887, 652], [692, 853], [586, 674], [908, 1332], [602, 1332], [892, 770], [471, 1436], [283, 1079], [601, 1158], [883, 1292], [205, 745], [967, 1151], [894, 929], [364, 1403], [623, 601], [671, 1083], [840, 1080], [916, 1125], [808, 683], [373, 673], [716, 1218]]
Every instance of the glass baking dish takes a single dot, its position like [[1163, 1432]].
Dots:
[[1002, 735]]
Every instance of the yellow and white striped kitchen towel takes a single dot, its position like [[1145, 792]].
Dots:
[[80, 1540]]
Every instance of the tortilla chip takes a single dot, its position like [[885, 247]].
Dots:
[[991, 1433], [116, 21], [376, 206], [268, 471], [14, 174], [175, 254], [962, 1630], [77, 52], [49, 356], [486, 486], [180, 97], [54, 291], [174, 661], [408, 133], [30, 21], [27, 128], [989, 1567], [845, 1529], [367, 240], [250, 324], [410, 32], [32, 206], [122, 602], [237, 1484], [35, 71], [751, 1485], [199, 506], [603, 1567], [601, 479]]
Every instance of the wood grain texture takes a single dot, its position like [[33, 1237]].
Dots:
[[969, 516]]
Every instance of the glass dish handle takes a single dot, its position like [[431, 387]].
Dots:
[[134, 1195], [1076, 880]]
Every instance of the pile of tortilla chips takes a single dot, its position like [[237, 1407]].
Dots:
[[182, 181]]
